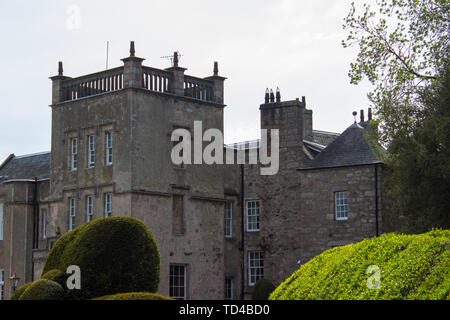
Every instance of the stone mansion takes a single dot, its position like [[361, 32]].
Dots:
[[219, 227]]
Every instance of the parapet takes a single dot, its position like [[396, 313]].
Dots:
[[134, 75]]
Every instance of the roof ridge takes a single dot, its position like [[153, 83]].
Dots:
[[31, 154]]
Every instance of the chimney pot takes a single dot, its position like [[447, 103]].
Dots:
[[272, 96], [266, 96], [278, 95], [369, 114], [361, 115]]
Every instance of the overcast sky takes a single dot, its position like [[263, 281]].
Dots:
[[293, 44]]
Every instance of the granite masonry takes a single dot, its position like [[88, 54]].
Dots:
[[219, 228]]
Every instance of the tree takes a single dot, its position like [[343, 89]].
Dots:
[[403, 45], [418, 180], [404, 53]]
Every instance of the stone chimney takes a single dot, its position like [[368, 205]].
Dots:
[[294, 123]]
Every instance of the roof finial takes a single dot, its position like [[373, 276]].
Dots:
[[132, 51], [175, 58], [216, 68], [354, 113], [60, 68]]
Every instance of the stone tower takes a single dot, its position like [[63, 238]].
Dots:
[[111, 147]]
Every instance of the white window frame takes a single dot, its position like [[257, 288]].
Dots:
[[2, 284], [173, 284], [341, 205], [108, 205], [255, 266], [252, 211], [228, 223], [1, 221], [44, 222], [229, 288], [73, 154], [89, 208], [72, 213], [91, 151], [108, 148]]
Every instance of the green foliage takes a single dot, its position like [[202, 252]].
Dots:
[[43, 289], [418, 179], [410, 266], [115, 255], [134, 296], [16, 295], [403, 44], [262, 290], [56, 275]]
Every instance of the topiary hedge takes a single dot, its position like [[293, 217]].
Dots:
[[134, 296], [410, 267], [43, 289], [115, 254], [16, 295], [57, 276], [262, 289]]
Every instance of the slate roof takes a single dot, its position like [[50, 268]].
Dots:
[[319, 139], [322, 137], [26, 167], [355, 146]]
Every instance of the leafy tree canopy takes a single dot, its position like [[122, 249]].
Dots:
[[403, 47]]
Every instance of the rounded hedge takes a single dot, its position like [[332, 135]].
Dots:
[[262, 289], [43, 289], [115, 254], [409, 267], [134, 296], [57, 276], [16, 295]]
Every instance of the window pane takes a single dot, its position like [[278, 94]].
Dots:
[[177, 279]]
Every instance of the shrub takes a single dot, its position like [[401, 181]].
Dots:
[[262, 290], [115, 255], [43, 289], [410, 266], [57, 276], [134, 296], [16, 295]]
